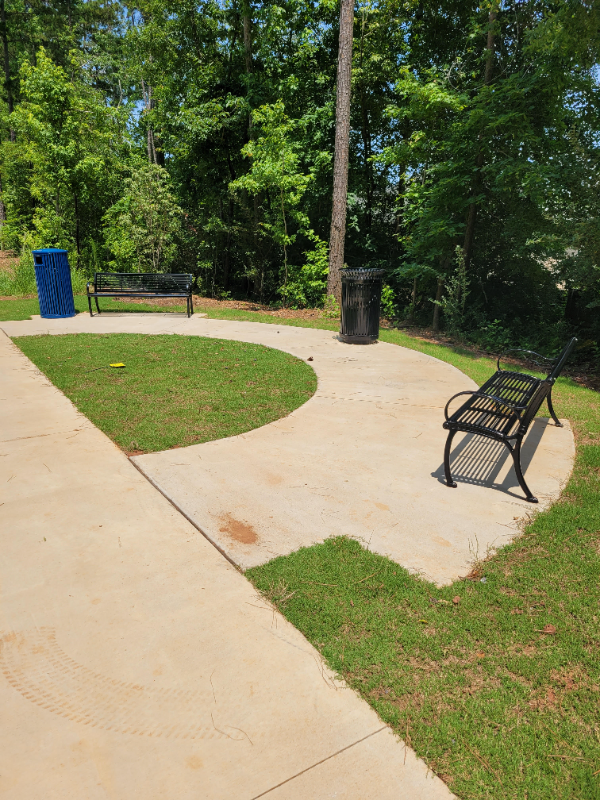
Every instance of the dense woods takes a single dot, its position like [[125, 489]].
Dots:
[[199, 136]]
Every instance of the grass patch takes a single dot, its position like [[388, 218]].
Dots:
[[174, 390], [496, 706], [25, 307]]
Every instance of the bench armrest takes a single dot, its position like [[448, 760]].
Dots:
[[498, 400], [87, 287], [520, 350]]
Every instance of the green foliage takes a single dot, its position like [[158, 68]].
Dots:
[[141, 229], [307, 284], [245, 128], [388, 302], [63, 166]]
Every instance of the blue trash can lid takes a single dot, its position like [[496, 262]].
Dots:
[[49, 250]]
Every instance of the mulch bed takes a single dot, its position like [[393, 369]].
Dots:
[[236, 305]]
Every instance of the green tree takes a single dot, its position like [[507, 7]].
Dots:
[[63, 168], [141, 229], [275, 172]]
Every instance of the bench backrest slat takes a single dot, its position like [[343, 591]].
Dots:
[[142, 282], [560, 361]]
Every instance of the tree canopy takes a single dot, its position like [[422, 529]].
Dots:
[[199, 136]]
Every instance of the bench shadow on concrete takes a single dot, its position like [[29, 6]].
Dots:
[[480, 461]]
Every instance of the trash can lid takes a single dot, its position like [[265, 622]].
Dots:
[[361, 273], [50, 250]]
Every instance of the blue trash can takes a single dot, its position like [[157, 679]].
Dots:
[[53, 279]]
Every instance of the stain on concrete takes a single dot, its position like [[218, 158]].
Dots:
[[238, 531]]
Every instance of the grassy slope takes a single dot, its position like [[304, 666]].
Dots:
[[174, 390]]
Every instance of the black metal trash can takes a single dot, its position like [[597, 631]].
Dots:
[[53, 279], [361, 302]]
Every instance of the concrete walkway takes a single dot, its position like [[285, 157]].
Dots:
[[136, 662], [362, 458]]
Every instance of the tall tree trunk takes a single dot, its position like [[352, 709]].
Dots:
[[477, 181], [413, 302], [7, 77], [247, 35], [77, 242], [247, 23], [227, 251], [342, 143], [2, 216], [435, 323], [150, 146], [366, 137], [148, 106], [366, 132]]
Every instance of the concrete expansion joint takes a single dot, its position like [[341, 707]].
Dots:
[[318, 763]]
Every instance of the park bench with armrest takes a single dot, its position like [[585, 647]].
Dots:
[[149, 285], [504, 408]]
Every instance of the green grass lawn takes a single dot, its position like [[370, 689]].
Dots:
[[23, 308], [174, 390]]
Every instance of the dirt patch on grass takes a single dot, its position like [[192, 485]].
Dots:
[[236, 305]]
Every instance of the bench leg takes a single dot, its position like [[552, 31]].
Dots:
[[448, 473], [551, 410], [516, 454], [97, 306], [90, 305]]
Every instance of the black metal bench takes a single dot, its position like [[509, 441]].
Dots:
[[504, 407], [140, 284]]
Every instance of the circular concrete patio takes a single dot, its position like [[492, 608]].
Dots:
[[362, 458]]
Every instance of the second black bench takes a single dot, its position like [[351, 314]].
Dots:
[[141, 284], [504, 408]]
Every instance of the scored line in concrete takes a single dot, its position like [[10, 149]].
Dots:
[[318, 763]]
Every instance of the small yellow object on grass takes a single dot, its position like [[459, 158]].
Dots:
[[117, 365]]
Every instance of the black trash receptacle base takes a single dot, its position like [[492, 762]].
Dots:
[[349, 339]]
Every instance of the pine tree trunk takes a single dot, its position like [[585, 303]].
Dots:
[[435, 323], [7, 77], [366, 135], [2, 216], [77, 242], [413, 302], [477, 181], [342, 144], [248, 61]]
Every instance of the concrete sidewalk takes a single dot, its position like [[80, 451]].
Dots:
[[362, 458], [136, 661]]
